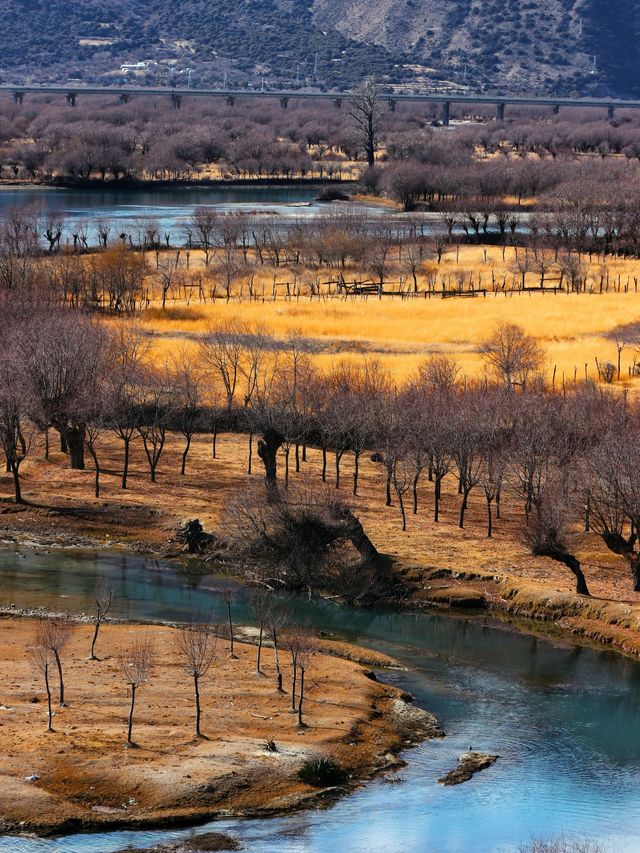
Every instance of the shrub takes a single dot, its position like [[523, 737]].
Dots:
[[322, 773]]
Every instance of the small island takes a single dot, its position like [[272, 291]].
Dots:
[[250, 757]]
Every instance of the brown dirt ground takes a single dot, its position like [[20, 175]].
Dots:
[[61, 509], [88, 779]]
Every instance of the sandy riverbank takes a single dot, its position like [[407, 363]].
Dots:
[[88, 780]]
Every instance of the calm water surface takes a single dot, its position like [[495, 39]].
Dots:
[[128, 210], [564, 720]]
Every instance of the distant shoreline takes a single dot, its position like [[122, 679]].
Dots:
[[146, 184]]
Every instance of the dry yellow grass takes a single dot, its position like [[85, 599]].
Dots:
[[570, 328], [402, 332]]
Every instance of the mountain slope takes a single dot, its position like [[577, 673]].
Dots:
[[519, 45]]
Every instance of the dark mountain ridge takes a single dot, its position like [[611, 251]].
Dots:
[[561, 46]]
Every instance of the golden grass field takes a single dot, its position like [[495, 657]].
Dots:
[[403, 332]]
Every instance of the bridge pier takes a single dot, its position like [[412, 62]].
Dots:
[[337, 102], [446, 111], [18, 97], [124, 97], [176, 101], [500, 113], [556, 109], [71, 99], [284, 102], [230, 100], [610, 111], [392, 105]]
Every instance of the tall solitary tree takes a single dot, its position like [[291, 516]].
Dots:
[[103, 600], [365, 112], [42, 660], [136, 665], [196, 646]]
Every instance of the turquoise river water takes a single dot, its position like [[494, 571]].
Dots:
[[564, 720]]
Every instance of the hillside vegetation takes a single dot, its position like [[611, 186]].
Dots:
[[556, 45]]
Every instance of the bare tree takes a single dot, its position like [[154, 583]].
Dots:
[[512, 354], [547, 535], [229, 595], [276, 623], [304, 660], [221, 351], [261, 602], [364, 109], [64, 359], [42, 660], [137, 663], [103, 600], [54, 634], [186, 399], [17, 431], [130, 349], [156, 416], [197, 647]]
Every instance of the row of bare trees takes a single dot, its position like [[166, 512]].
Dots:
[[506, 434]]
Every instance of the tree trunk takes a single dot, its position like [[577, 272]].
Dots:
[[231, 649], [356, 472], [489, 519], [324, 464], [463, 507], [74, 439], [414, 489], [389, 476], [93, 641], [572, 563], [276, 655], [354, 531], [300, 723], [47, 685], [268, 447], [259, 649], [15, 470], [183, 467], [402, 512], [294, 666], [196, 696], [214, 438], [436, 500], [130, 725], [250, 461], [125, 464], [59, 665]]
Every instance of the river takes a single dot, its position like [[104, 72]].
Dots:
[[564, 720], [127, 211]]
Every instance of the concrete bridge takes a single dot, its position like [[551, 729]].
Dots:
[[176, 95]]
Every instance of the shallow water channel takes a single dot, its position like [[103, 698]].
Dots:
[[565, 721]]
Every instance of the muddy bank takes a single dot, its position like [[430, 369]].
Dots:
[[600, 621], [80, 776]]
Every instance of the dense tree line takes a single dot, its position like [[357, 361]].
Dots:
[[532, 156]]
